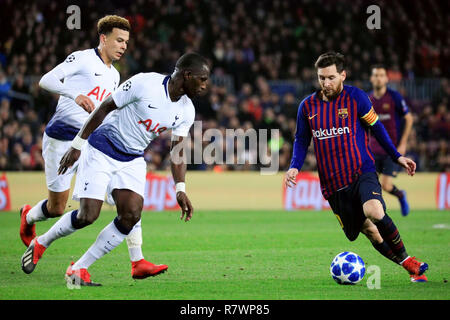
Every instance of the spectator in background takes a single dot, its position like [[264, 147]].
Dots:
[[5, 86], [250, 43]]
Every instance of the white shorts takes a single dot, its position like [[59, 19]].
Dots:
[[52, 151], [98, 174]]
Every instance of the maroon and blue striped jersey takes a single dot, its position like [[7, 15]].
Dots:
[[391, 109], [339, 129]]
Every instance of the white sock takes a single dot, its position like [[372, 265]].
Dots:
[[36, 214], [109, 238], [134, 242], [63, 227]]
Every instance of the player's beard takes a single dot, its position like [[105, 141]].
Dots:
[[332, 94]]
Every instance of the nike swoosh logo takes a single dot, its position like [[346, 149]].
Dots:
[[150, 106], [312, 116], [98, 74], [376, 193]]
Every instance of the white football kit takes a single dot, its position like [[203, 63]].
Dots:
[[84, 72], [113, 156]]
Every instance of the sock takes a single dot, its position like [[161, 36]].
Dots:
[[38, 213], [391, 236], [386, 251], [134, 242], [109, 238], [62, 228], [395, 192]]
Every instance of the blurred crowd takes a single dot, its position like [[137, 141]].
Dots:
[[253, 42]]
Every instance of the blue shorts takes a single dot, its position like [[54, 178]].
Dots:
[[385, 165], [347, 203]]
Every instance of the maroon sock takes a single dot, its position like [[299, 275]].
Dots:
[[395, 192], [391, 236], [386, 251]]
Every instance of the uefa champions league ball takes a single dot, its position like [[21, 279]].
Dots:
[[347, 268]]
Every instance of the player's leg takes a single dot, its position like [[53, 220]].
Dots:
[[388, 172], [374, 209], [68, 224], [129, 207], [347, 211], [126, 191], [134, 238], [58, 190], [370, 230], [92, 181], [128, 214], [140, 268]]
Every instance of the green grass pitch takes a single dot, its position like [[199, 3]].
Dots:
[[229, 255]]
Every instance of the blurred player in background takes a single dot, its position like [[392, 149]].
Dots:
[[337, 118], [112, 162], [83, 81], [394, 114]]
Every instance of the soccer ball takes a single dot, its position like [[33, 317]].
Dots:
[[347, 268]]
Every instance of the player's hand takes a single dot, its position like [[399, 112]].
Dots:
[[408, 164], [85, 103], [186, 206], [290, 176], [69, 158]]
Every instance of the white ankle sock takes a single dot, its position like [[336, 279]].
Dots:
[[62, 228], [35, 214], [134, 242], [109, 238]]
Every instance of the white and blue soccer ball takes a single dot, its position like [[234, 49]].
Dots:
[[347, 268]]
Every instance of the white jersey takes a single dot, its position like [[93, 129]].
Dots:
[[84, 72], [145, 110]]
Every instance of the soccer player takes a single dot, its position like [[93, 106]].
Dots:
[[394, 114], [83, 81], [337, 118], [112, 161]]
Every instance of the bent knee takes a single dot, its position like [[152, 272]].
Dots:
[[373, 209]]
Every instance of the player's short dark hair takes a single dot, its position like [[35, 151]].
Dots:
[[378, 66], [106, 24], [191, 61], [329, 58]]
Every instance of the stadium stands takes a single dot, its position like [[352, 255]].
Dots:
[[262, 53]]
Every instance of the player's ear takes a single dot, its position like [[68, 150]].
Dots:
[[343, 75], [103, 38], [187, 75]]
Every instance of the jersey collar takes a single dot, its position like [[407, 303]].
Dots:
[[165, 84], [98, 54]]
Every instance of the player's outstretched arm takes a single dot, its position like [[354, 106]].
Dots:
[[178, 168], [92, 123], [51, 81]]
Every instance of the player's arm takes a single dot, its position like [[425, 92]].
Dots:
[[403, 110], [178, 167], [405, 134], [52, 81], [300, 147], [93, 122]]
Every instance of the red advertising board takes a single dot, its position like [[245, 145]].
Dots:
[[5, 200], [306, 194], [443, 191], [160, 193]]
